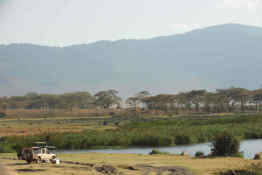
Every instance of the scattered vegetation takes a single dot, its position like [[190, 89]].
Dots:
[[257, 156], [164, 132], [131, 164], [253, 169], [2, 114], [155, 151], [6, 147], [225, 144], [199, 154]]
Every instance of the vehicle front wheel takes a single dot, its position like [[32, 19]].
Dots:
[[38, 160]]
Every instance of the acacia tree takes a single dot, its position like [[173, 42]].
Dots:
[[233, 95], [4, 106], [163, 102], [142, 94], [137, 99], [226, 98], [132, 102], [196, 97], [209, 101], [106, 99], [242, 97], [256, 97], [182, 101], [78, 99], [31, 95]]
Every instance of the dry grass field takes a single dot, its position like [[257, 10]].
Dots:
[[126, 164], [33, 122], [75, 112], [34, 126]]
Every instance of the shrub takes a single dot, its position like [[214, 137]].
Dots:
[[257, 156], [254, 169], [155, 151], [225, 144], [2, 114], [199, 154], [240, 172], [239, 154], [5, 148], [252, 135]]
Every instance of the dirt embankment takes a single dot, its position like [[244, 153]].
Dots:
[[6, 171], [147, 169], [3, 170], [140, 168], [100, 169]]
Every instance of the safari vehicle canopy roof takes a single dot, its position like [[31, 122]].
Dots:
[[43, 145], [35, 147]]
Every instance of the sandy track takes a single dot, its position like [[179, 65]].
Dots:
[[3, 170]]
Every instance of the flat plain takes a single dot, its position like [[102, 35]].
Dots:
[[126, 164]]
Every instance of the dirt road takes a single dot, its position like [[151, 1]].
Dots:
[[3, 170]]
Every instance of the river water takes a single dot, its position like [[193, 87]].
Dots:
[[249, 147]]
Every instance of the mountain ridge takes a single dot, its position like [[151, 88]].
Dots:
[[142, 39], [213, 57]]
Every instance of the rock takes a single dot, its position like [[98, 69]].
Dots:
[[107, 169]]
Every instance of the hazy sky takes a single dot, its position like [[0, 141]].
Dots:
[[66, 22]]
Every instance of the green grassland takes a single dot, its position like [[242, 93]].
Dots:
[[137, 131]]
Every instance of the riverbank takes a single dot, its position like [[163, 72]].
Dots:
[[127, 164], [248, 148]]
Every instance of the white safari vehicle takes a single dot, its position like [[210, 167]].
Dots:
[[39, 153]]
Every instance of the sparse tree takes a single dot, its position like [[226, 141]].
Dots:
[[108, 98], [137, 99], [196, 97]]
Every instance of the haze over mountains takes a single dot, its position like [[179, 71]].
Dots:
[[215, 57]]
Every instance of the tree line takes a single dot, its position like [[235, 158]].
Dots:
[[222, 100], [82, 100]]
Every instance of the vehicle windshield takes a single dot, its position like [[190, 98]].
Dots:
[[36, 151]]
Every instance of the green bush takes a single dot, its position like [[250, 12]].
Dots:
[[155, 151], [2, 114], [155, 133], [5, 148], [199, 154], [257, 157], [225, 144]]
